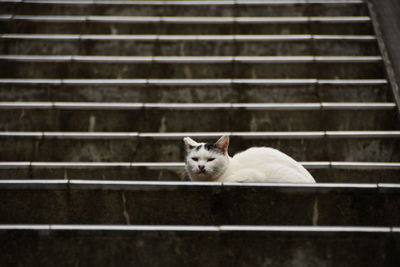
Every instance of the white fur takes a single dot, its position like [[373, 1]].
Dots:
[[257, 164]]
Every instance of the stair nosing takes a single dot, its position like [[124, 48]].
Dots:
[[197, 228], [182, 38], [188, 82], [200, 106], [179, 135], [186, 19], [126, 184], [188, 3], [190, 59], [180, 165]]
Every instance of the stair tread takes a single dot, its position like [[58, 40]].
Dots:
[[147, 246], [165, 204]]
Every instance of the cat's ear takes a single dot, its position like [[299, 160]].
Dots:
[[189, 143], [223, 144]]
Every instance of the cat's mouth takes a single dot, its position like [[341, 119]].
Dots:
[[202, 172]]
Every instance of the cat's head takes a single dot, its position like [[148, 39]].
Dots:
[[206, 162]]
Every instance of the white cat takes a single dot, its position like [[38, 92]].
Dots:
[[211, 162]]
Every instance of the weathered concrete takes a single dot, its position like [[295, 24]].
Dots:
[[197, 94], [194, 120], [187, 10], [142, 149], [386, 25], [182, 248], [81, 69], [327, 175], [200, 205], [189, 48]]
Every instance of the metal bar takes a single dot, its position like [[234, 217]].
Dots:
[[141, 183], [191, 228], [30, 227], [362, 134], [193, 59], [304, 185], [366, 165], [194, 82], [166, 185], [328, 229], [353, 82], [187, 3], [179, 135], [181, 228], [199, 106], [358, 106], [183, 38], [187, 20], [98, 227], [180, 165]]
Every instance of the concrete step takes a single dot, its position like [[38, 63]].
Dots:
[[189, 203], [179, 117], [191, 67], [189, 8], [116, 245], [93, 200], [189, 90], [326, 171], [189, 45], [122, 147], [357, 25]]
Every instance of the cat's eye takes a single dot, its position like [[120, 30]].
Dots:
[[195, 159], [210, 159]]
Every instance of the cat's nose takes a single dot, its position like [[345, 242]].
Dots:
[[201, 167]]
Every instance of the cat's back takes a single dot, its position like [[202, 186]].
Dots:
[[255, 154], [273, 163]]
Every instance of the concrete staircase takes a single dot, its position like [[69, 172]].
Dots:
[[96, 97]]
